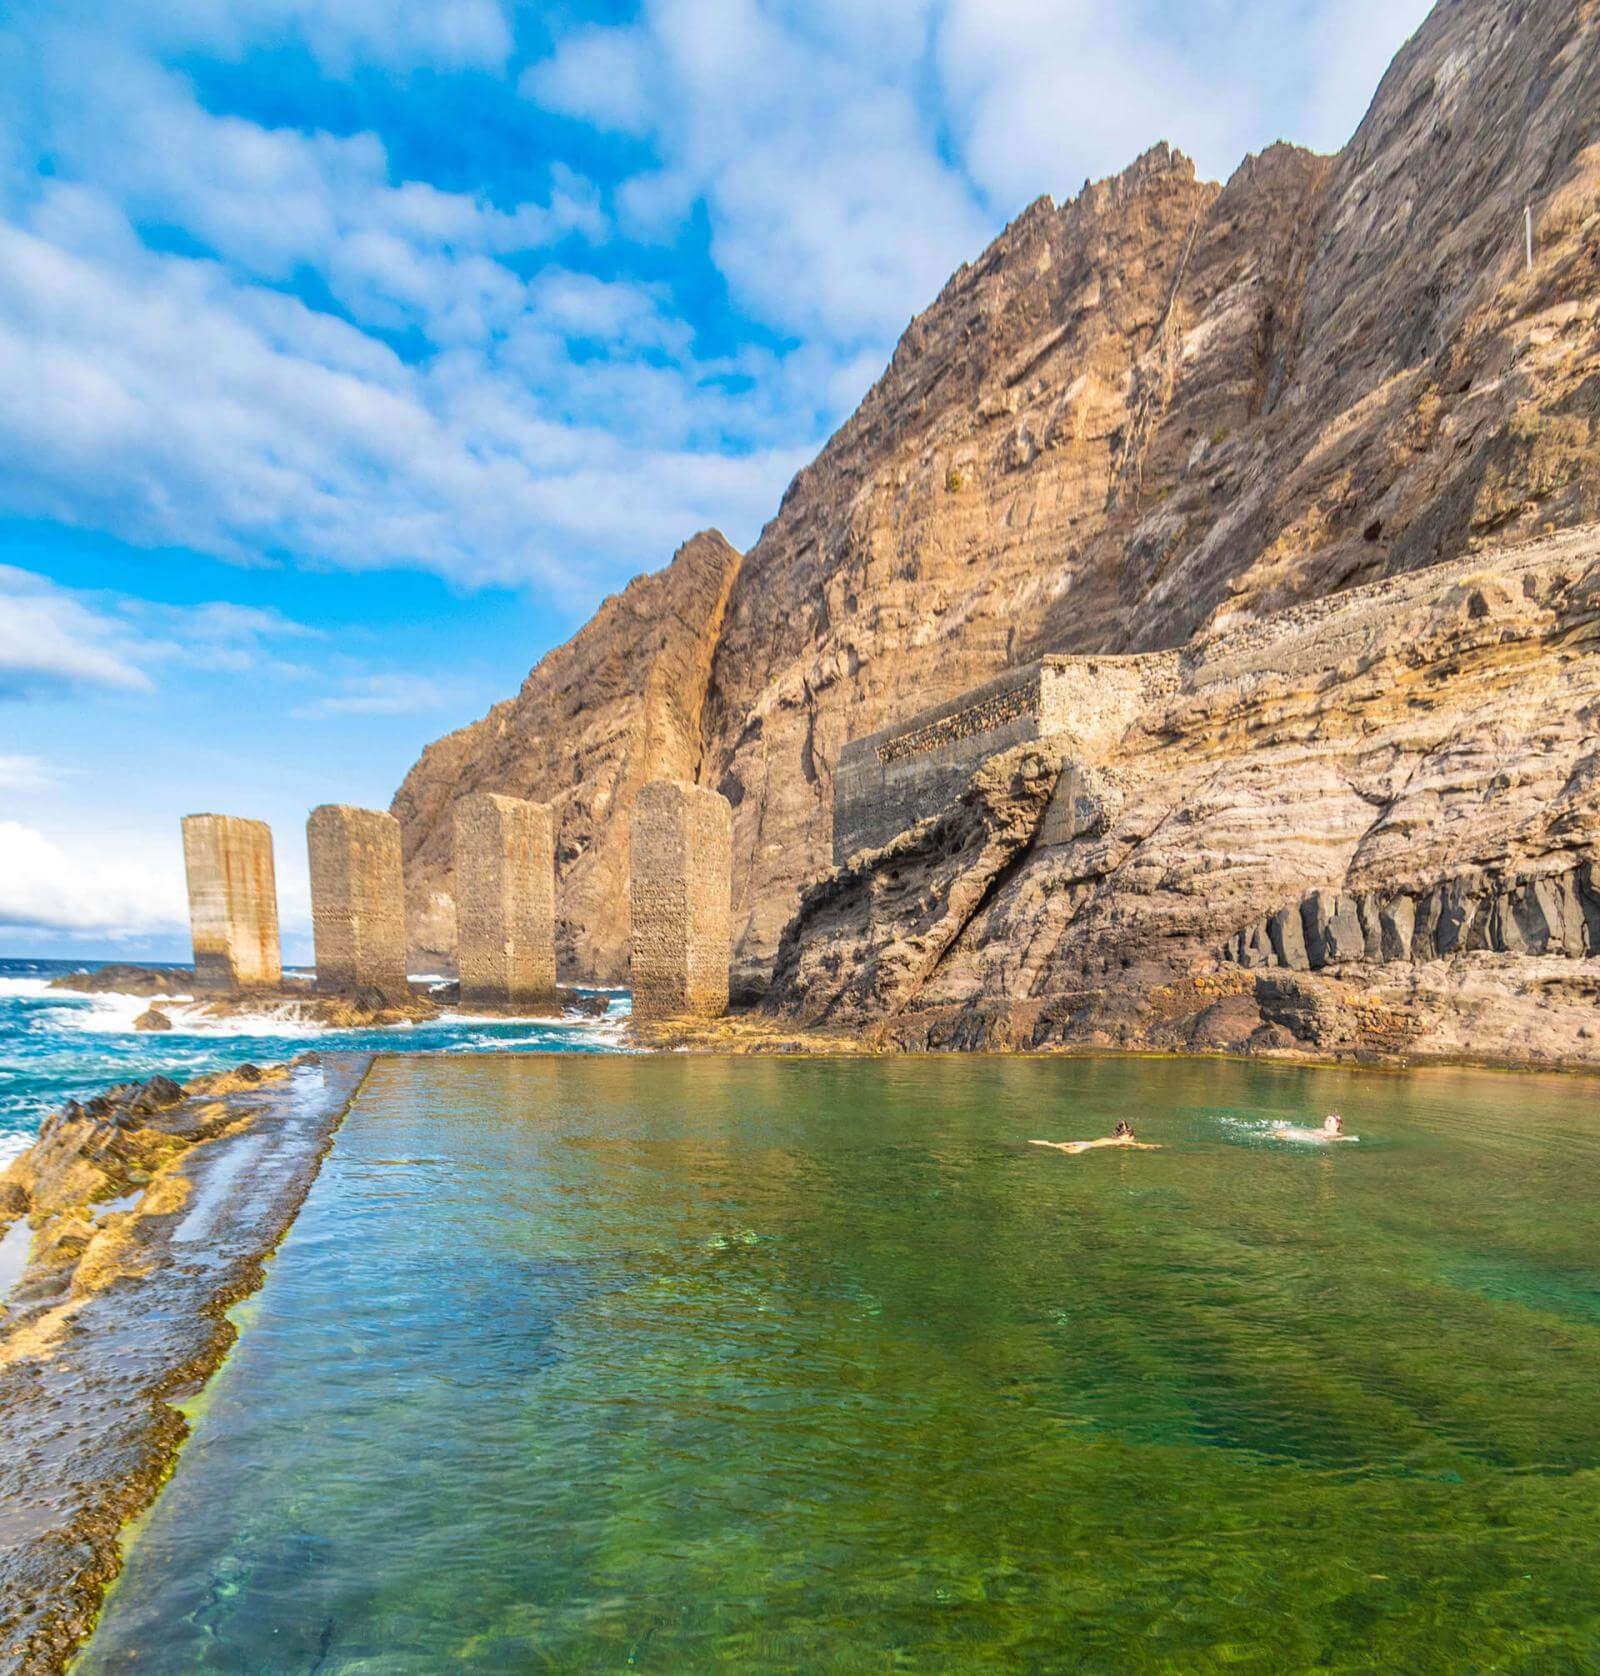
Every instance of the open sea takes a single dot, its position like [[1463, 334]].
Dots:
[[56, 1045]]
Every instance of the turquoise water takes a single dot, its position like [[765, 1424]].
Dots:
[[690, 1365], [55, 1045]]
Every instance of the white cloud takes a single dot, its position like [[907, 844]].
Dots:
[[385, 694], [341, 34], [51, 641], [832, 212], [275, 201], [24, 773], [1046, 93], [602, 76], [56, 640], [126, 888], [162, 379]]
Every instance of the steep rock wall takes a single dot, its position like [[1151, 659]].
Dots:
[[617, 706], [1161, 408], [1428, 743]]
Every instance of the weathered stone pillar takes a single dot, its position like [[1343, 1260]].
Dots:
[[681, 895], [233, 903], [358, 913], [504, 862]]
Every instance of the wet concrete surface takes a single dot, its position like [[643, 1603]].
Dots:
[[87, 1430]]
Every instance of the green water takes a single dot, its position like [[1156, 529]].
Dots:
[[694, 1365]]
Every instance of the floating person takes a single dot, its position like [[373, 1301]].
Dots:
[[1332, 1130], [1123, 1137]]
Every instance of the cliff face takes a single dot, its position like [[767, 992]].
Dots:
[[1162, 408], [618, 705], [1370, 822]]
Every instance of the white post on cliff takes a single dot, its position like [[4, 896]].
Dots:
[[1528, 224]]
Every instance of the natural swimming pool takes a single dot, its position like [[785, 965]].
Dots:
[[687, 1364]]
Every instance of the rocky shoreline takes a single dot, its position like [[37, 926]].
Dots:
[[298, 1001], [151, 1210]]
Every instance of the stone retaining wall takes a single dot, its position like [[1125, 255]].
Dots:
[[887, 782]]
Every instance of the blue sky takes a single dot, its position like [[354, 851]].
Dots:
[[352, 350]]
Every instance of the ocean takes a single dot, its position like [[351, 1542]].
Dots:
[[56, 1045]]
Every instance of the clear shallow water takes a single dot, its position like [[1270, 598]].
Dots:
[[698, 1365], [55, 1045]]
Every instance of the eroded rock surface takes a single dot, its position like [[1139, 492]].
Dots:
[[870, 936], [1350, 827], [1163, 408], [151, 1209]]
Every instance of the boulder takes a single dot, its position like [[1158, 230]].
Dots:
[[1588, 889], [1397, 925], [1256, 948], [1369, 912], [1333, 932], [1287, 933], [152, 1018], [1559, 901], [1455, 913], [156, 1095]]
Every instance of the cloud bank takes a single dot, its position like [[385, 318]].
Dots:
[[238, 321]]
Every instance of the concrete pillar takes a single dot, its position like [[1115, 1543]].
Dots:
[[358, 908], [681, 897], [233, 903], [504, 863]]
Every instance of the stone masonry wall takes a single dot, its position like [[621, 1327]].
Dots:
[[682, 863], [233, 902], [357, 901], [505, 889], [889, 781]]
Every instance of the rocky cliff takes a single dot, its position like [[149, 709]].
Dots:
[[1369, 823], [620, 704], [1164, 408]]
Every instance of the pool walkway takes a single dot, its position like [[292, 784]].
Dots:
[[87, 1430]]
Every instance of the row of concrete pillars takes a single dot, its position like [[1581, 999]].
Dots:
[[505, 892]]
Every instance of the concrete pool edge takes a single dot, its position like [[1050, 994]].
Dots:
[[88, 1430]]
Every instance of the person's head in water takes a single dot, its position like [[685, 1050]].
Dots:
[[1333, 1124], [1124, 1130]]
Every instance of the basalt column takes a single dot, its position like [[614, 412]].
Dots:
[[682, 865], [233, 903], [357, 902], [504, 862]]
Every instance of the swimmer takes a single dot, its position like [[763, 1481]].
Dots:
[[1124, 1138], [1332, 1130]]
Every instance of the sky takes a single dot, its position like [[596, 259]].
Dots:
[[352, 350]]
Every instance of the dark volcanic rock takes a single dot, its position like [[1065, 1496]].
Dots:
[[154, 1096], [868, 938], [129, 980]]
